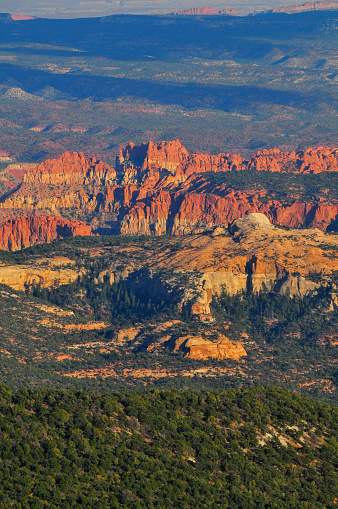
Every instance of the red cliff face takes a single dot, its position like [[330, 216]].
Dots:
[[140, 161], [71, 169], [135, 161], [193, 205], [198, 212], [159, 188], [195, 212], [27, 231], [308, 161], [201, 163]]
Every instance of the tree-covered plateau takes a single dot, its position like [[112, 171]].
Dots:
[[249, 448]]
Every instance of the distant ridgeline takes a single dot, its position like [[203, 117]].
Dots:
[[257, 447], [308, 6], [204, 11]]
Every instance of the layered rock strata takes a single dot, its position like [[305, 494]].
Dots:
[[46, 273], [255, 256], [159, 188], [27, 231], [71, 169], [198, 348], [250, 256]]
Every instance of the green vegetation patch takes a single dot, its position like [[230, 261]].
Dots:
[[306, 186], [272, 317], [235, 449]]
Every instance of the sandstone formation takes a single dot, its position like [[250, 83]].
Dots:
[[125, 335], [54, 310], [46, 273], [304, 161], [87, 326], [198, 348], [71, 169], [250, 256], [257, 255], [159, 188], [193, 347], [246, 224], [136, 162], [27, 231]]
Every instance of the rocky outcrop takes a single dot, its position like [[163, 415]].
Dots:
[[159, 188], [123, 336], [256, 256], [53, 271], [245, 225], [72, 169], [305, 161], [27, 231], [195, 212], [71, 185], [86, 326], [201, 163], [137, 163], [148, 217], [174, 157], [297, 285], [198, 348], [250, 256]]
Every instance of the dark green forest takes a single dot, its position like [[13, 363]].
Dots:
[[306, 186], [121, 304], [262, 447], [271, 317]]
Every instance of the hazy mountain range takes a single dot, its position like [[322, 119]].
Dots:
[[79, 9]]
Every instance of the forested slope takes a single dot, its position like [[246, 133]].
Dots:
[[245, 448]]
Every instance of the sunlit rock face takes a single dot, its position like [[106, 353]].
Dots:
[[160, 188]]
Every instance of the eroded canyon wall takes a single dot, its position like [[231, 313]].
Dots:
[[159, 188]]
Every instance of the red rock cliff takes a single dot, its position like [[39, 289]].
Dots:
[[304, 161], [137, 160], [71, 169], [159, 188], [27, 231]]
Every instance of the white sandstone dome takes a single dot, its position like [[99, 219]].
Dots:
[[250, 222]]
